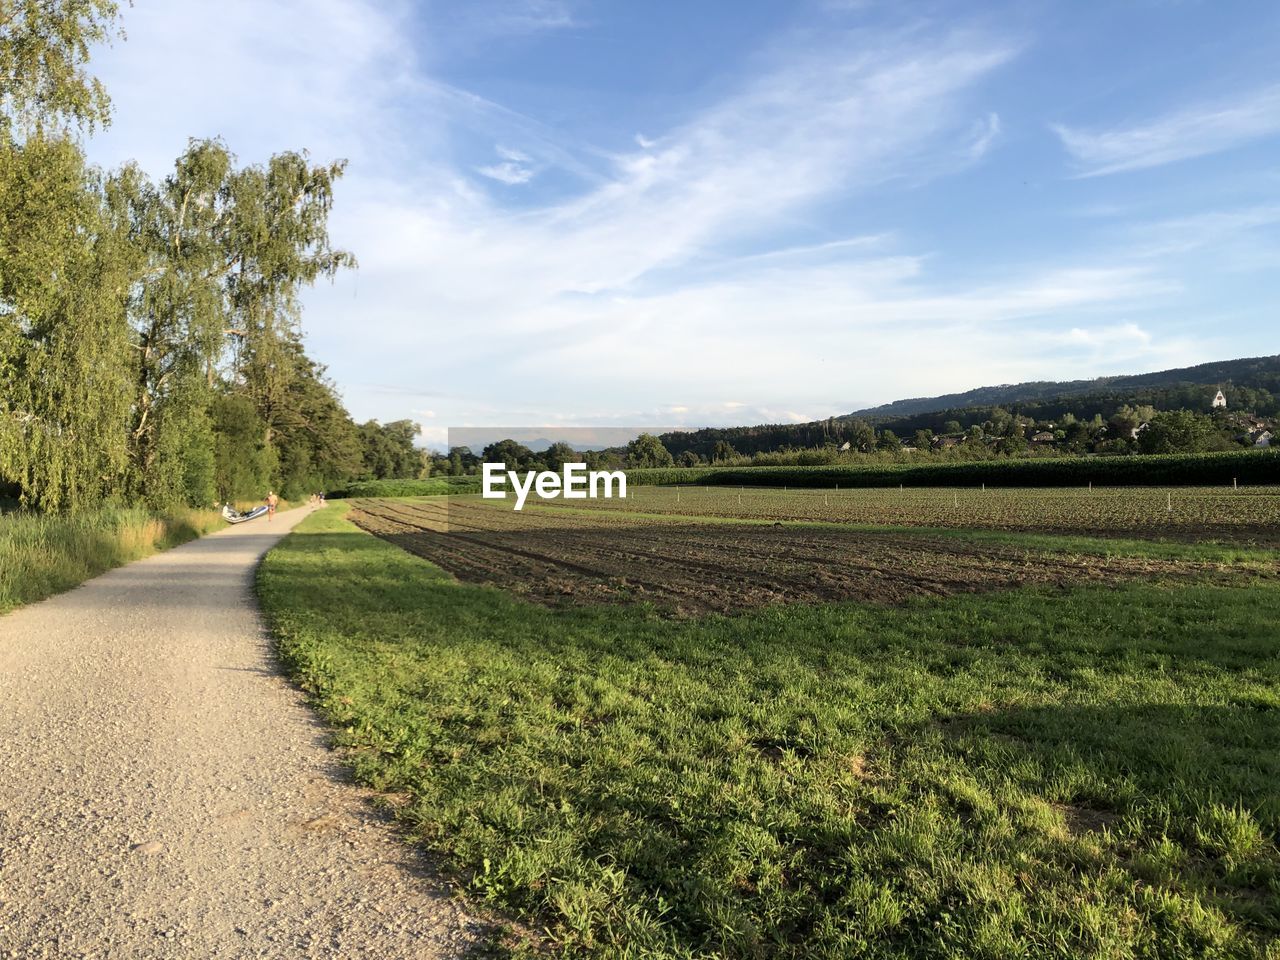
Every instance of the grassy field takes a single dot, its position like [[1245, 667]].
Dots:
[[43, 555], [1059, 770]]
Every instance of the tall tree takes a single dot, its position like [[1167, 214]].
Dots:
[[177, 312], [62, 267], [277, 241], [63, 336]]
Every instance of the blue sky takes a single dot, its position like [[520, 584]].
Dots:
[[689, 213]]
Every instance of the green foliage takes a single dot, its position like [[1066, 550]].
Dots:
[[388, 450], [64, 343], [558, 454], [512, 455], [1179, 431], [242, 462], [1038, 774], [407, 488], [888, 440], [647, 450], [44, 49]]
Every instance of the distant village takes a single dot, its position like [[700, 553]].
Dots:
[[981, 433], [1131, 429]]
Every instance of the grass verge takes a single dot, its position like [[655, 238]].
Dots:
[[41, 555], [1086, 773]]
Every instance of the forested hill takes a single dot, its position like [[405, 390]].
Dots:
[[1251, 385], [1252, 372]]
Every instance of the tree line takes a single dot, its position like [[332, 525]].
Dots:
[[1140, 430], [151, 347], [1036, 428]]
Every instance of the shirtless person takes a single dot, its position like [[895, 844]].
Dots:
[[272, 501]]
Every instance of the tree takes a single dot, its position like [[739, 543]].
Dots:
[[558, 454], [689, 458], [64, 342], [117, 296], [1123, 423], [276, 242], [923, 439], [462, 461], [176, 312], [318, 446], [512, 455], [1179, 431], [389, 451], [44, 50], [888, 441], [862, 436], [647, 450], [952, 427], [242, 464], [723, 451]]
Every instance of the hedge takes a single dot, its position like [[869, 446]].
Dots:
[[409, 488]]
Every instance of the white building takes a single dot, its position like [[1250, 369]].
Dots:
[[1220, 401]]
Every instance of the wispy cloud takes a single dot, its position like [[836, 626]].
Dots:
[[1193, 132], [983, 135], [514, 169], [698, 264]]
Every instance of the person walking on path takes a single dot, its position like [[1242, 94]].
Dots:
[[272, 502]]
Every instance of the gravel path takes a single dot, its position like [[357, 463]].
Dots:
[[165, 793]]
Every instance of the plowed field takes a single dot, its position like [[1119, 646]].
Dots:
[[693, 568], [1250, 515]]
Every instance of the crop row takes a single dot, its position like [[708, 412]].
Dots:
[[1198, 469], [1185, 513]]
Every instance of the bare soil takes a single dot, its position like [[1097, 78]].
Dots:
[[690, 569]]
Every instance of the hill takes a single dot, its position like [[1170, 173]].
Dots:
[[1251, 384], [1252, 372]]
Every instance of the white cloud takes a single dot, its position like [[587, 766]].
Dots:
[[514, 169], [1193, 132], [268, 76], [1110, 336], [983, 135], [653, 277]]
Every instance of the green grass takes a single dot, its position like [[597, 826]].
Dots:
[[41, 555], [1086, 773]]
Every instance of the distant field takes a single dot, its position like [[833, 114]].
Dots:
[[1248, 467], [712, 736], [1246, 515]]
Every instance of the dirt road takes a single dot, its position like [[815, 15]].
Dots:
[[164, 793]]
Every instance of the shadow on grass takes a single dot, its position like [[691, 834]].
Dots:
[[1185, 794]]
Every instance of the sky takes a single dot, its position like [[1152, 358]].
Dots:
[[741, 211]]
